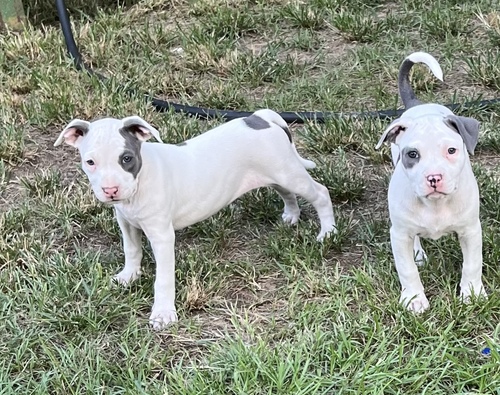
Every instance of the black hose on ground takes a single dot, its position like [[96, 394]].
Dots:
[[207, 113]]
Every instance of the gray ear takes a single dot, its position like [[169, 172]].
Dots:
[[467, 128], [395, 129], [73, 133], [141, 128]]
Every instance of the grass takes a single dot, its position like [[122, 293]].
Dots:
[[263, 307]]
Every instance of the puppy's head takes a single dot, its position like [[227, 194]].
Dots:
[[110, 151], [432, 150]]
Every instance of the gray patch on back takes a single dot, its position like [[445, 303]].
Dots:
[[133, 149], [181, 144], [257, 123], [408, 162]]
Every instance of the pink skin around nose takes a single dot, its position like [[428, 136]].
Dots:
[[110, 192], [434, 180]]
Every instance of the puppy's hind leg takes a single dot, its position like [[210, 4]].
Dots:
[[302, 184], [291, 211]]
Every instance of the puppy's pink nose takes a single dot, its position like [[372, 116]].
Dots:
[[110, 191], [434, 180]]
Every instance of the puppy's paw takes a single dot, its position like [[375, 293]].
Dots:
[[290, 217], [327, 233], [160, 319], [466, 293], [126, 277], [414, 302], [420, 257]]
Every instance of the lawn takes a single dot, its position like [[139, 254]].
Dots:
[[263, 308]]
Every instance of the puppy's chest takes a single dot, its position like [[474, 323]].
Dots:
[[433, 224], [434, 233], [131, 214]]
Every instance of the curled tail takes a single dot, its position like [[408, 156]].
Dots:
[[405, 90]]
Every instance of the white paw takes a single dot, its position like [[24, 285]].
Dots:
[[125, 277], [420, 257], [160, 319], [478, 291], [415, 302], [326, 233], [290, 217]]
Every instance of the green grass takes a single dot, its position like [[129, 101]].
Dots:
[[263, 307]]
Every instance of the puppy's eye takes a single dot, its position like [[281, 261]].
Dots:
[[413, 154], [90, 162], [127, 159], [451, 151]]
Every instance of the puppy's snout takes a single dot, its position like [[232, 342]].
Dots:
[[434, 180], [110, 192]]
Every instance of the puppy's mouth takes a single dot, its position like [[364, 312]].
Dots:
[[110, 201], [436, 195], [113, 201], [439, 194]]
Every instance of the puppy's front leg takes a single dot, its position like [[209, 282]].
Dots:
[[412, 294], [132, 249], [162, 241], [472, 250]]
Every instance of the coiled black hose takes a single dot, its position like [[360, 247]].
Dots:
[[207, 113]]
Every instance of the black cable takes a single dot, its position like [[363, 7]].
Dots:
[[207, 113]]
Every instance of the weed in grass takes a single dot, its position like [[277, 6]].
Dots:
[[205, 53], [485, 68], [306, 93], [268, 67], [343, 180], [303, 16], [227, 22], [42, 184], [217, 231], [441, 23], [489, 139], [368, 61], [11, 144], [13, 221], [358, 26], [355, 134], [13, 224], [260, 207], [373, 231], [489, 187], [4, 175], [327, 138], [223, 96], [491, 22], [305, 39]]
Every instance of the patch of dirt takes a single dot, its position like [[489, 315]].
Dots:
[[39, 154]]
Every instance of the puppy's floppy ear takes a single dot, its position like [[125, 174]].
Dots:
[[142, 130], [467, 128], [393, 131], [73, 133]]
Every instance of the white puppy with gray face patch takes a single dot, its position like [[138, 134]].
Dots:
[[433, 190], [158, 188]]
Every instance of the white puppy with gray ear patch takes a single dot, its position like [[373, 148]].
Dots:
[[433, 191], [158, 188]]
